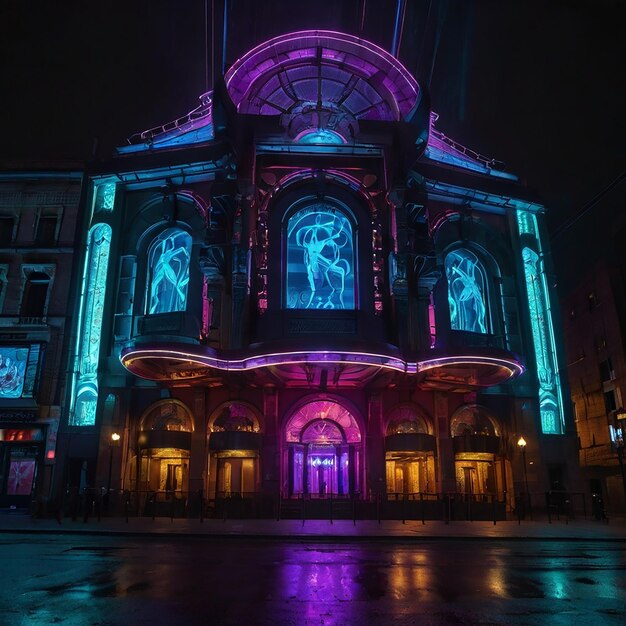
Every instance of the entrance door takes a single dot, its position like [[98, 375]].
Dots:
[[322, 454], [322, 473], [469, 476]]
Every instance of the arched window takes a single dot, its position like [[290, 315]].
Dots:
[[467, 292], [473, 420], [404, 420], [168, 278], [320, 259]]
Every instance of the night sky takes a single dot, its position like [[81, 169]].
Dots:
[[538, 85]]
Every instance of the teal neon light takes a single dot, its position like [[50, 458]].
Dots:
[[105, 197], [550, 398], [320, 260], [467, 292], [169, 268], [321, 135], [85, 384]]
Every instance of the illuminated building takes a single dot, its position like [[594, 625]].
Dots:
[[38, 211], [302, 288]]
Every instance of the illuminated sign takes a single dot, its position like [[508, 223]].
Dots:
[[323, 461], [18, 370]]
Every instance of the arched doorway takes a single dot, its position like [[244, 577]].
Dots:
[[476, 442], [234, 444], [164, 447], [409, 454], [322, 452]]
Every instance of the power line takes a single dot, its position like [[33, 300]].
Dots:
[[587, 207]]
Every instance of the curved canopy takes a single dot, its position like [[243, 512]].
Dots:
[[322, 70]]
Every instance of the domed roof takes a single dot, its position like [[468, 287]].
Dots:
[[322, 70]]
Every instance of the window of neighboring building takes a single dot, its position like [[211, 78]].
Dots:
[[168, 274], [467, 292], [606, 370], [4, 269], [609, 400], [35, 294], [7, 224], [19, 368], [46, 232], [320, 272]]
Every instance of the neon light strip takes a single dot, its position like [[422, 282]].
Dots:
[[515, 368], [300, 36], [319, 357], [278, 358]]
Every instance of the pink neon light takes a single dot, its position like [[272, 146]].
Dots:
[[319, 357]]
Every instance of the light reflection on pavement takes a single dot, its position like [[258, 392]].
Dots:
[[116, 580]]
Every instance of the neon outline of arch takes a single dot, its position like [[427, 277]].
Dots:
[[84, 396]]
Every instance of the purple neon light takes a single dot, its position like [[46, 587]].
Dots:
[[513, 366], [267, 360], [382, 361], [253, 77]]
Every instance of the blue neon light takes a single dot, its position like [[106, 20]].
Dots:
[[467, 292], [320, 260], [323, 136], [169, 269], [105, 197], [550, 392], [84, 400]]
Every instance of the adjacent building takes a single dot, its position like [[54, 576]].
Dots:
[[304, 289], [38, 217], [592, 286]]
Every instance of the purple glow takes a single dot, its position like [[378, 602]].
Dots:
[[254, 87], [514, 368], [132, 359]]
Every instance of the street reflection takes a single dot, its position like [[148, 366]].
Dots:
[[364, 582]]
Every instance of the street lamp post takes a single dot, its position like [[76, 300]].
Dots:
[[115, 437], [521, 442]]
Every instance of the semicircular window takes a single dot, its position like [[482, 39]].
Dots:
[[323, 432], [472, 420], [320, 260], [167, 415], [168, 262], [405, 420], [467, 292], [235, 416]]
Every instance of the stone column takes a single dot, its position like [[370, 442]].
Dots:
[[447, 478]]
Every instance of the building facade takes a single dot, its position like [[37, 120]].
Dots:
[[593, 296], [38, 213], [303, 289]]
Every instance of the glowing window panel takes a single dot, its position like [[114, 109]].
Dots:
[[320, 136], [169, 272], [85, 397], [550, 407], [320, 260], [467, 292], [105, 197], [12, 371], [527, 223], [322, 421]]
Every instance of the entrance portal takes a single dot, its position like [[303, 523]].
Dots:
[[323, 452]]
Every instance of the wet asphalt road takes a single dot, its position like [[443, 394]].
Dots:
[[51, 579]]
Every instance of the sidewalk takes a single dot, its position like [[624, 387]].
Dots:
[[338, 530]]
